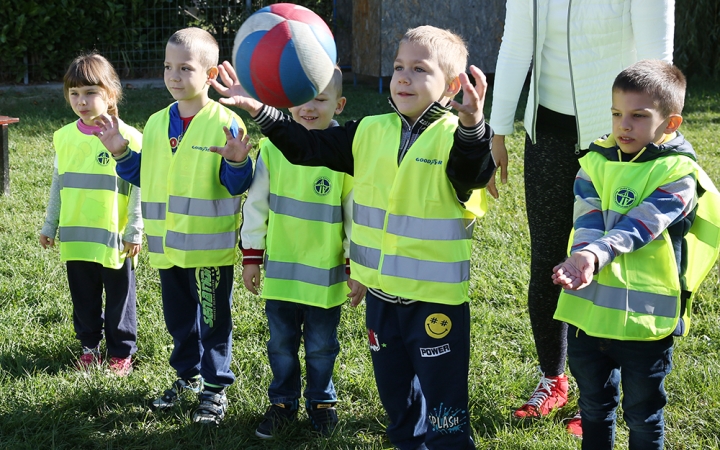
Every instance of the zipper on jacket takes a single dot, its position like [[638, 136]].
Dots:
[[536, 100], [572, 80]]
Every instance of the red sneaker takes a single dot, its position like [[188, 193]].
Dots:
[[574, 426], [550, 394], [121, 366], [89, 358]]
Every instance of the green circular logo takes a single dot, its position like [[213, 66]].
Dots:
[[103, 158], [322, 186], [625, 197]]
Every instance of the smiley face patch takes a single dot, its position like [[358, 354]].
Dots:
[[438, 325]]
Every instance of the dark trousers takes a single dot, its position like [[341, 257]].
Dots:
[[87, 280], [197, 309], [551, 165], [599, 367], [421, 356]]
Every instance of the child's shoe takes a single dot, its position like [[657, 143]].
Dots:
[[574, 426], [90, 357], [323, 416], [277, 416], [172, 395], [212, 408], [550, 394], [121, 366]]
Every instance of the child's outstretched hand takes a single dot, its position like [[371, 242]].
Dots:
[[357, 291], [233, 91], [576, 272], [46, 242], [236, 147], [470, 111], [109, 134], [251, 277]]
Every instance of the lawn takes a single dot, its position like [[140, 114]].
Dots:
[[46, 404]]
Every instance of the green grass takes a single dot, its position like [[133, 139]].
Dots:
[[45, 403]]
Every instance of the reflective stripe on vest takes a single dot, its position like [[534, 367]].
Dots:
[[153, 210], [628, 300], [87, 234], [637, 295], [188, 223], [93, 181], [304, 257], [305, 210], [94, 200], [411, 237], [306, 274]]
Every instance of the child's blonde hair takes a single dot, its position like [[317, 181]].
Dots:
[[447, 47], [200, 43], [336, 82], [662, 81], [92, 69]]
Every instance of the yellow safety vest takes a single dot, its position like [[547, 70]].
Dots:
[[191, 220], [637, 296], [304, 256], [94, 201], [410, 235]]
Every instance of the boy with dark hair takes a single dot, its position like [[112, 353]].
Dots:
[[645, 235]]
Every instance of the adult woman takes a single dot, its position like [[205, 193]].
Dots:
[[577, 48]]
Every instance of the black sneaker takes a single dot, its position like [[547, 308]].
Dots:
[[212, 407], [172, 395], [323, 416], [277, 416]]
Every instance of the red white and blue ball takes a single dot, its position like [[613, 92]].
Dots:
[[284, 55]]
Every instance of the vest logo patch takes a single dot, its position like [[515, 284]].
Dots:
[[625, 197], [432, 162], [431, 352], [446, 420], [103, 158], [438, 325], [322, 186]]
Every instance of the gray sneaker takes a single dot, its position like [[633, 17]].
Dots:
[[171, 396], [212, 407]]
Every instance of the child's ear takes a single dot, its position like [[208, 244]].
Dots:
[[340, 105], [453, 88], [212, 73], [674, 122]]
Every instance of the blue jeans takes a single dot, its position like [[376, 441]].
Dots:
[[599, 365], [290, 322]]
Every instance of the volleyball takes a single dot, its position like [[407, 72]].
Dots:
[[284, 55]]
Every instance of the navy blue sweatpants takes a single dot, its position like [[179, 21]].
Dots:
[[87, 280], [196, 306], [421, 358]]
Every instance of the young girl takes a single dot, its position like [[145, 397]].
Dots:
[[98, 216]]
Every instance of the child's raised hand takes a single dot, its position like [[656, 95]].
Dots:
[[233, 91], [470, 111], [46, 242], [109, 134], [251, 277], [576, 272], [236, 147], [357, 291]]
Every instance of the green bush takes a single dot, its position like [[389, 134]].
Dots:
[[43, 37], [697, 33]]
